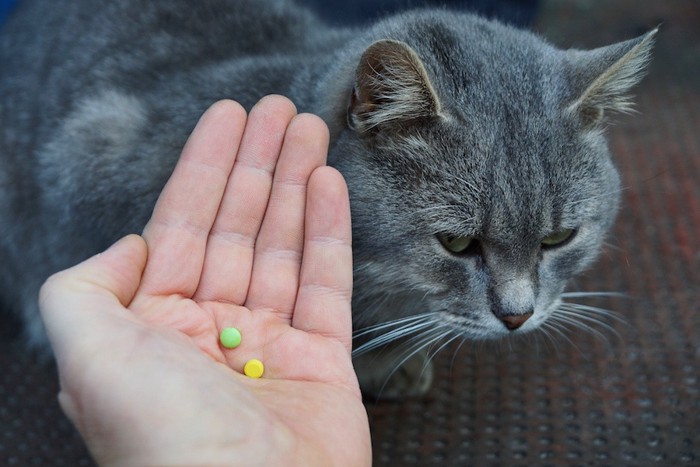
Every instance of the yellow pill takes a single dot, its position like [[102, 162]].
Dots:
[[254, 368]]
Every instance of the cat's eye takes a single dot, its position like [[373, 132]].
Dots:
[[455, 244], [558, 238]]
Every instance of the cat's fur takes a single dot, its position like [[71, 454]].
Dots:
[[442, 124]]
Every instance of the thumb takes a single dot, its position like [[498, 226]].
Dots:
[[106, 281]]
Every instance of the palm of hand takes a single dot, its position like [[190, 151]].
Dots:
[[308, 397]]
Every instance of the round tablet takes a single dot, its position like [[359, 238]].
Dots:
[[254, 368], [230, 338]]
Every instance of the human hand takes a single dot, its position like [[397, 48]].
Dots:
[[251, 231]]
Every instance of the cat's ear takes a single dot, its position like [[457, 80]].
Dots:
[[603, 77], [391, 88]]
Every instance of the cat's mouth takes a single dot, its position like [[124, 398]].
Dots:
[[487, 325], [478, 326], [556, 318]]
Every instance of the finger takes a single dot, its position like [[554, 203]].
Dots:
[[184, 214], [229, 256], [278, 250], [325, 291], [73, 299]]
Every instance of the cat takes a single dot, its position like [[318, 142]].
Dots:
[[475, 154]]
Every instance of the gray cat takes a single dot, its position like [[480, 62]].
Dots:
[[479, 175]]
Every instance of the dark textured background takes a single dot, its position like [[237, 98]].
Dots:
[[631, 399]]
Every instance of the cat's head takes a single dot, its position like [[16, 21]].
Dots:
[[479, 174]]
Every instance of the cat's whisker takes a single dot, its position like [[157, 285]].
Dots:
[[545, 342], [432, 353], [559, 329], [590, 311], [388, 324], [400, 328], [391, 336], [578, 314], [580, 322], [454, 355], [571, 322], [421, 342], [593, 294], [421, 337]]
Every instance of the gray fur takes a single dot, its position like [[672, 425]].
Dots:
[[441, 122]]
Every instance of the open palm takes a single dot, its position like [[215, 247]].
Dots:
[[252, 231]]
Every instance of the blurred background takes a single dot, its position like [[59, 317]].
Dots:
[[516, 12], [628, 398], [5, 7]]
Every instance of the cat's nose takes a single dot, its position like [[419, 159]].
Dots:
[[513, 322]]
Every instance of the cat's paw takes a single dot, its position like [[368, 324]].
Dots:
[[383, 375]]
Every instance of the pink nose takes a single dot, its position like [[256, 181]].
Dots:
[[513, 322]]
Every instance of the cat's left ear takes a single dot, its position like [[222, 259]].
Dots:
[[391, 88], [603, 77]]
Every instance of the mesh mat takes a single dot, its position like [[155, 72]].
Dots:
[[628, 394]]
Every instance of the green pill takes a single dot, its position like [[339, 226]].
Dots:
[[230, 338]]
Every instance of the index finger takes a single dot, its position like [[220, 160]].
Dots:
[[177, 232]]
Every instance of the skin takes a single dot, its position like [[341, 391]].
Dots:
[[252, 230]]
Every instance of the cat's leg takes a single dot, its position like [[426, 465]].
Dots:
[[34, 331], [394, 372]]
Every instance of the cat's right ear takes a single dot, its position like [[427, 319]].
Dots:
[[391, 88]]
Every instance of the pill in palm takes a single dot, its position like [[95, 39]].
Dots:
[[230, 338], [254, 368]]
